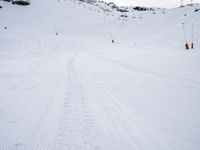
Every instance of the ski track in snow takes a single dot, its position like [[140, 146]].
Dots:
[[76, 129], [136, 69]]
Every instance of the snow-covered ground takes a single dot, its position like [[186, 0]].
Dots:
[[79, 91]]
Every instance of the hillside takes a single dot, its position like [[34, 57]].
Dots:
[[86, 75]]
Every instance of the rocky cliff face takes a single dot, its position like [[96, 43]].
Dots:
[[89, 1]]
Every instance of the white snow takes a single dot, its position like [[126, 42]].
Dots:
[[79, 91]]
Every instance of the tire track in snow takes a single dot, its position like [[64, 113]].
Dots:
[[133, 68], [40, 135], [124, 131], [120, 127], [76, 129]]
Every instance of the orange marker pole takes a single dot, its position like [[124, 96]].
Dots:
[[192, 44], [186, 43]]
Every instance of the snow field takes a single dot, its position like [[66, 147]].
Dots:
[[78, 91]]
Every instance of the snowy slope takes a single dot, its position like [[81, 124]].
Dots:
[[77, 90]]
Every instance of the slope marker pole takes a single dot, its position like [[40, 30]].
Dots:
[[192, 44], [186, 43], [111, 37]]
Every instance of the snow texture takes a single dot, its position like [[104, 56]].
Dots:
[[64, 85]]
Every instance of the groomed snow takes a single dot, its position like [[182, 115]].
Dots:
[[78, 91]]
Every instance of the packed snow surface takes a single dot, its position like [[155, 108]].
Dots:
[[65, 86]]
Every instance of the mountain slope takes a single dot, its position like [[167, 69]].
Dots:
[[65, 85]]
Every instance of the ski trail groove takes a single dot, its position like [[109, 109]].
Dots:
[[133, 68], [76, 128], [123, 129]]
